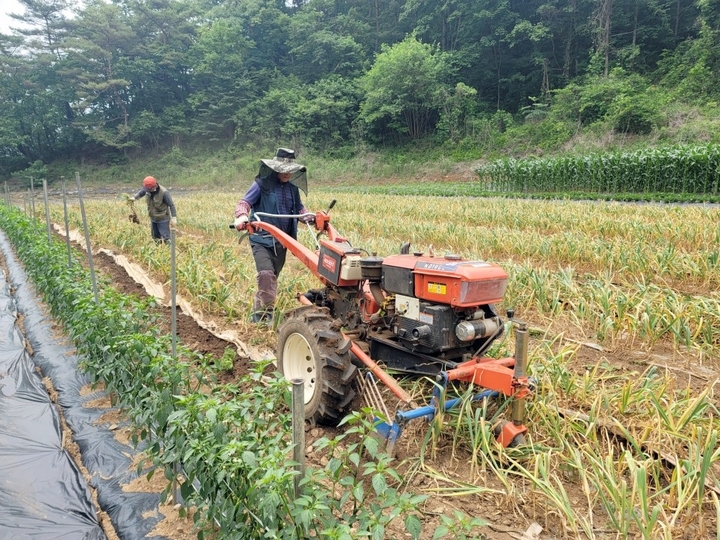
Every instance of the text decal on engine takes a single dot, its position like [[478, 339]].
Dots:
[[329, 263], [449, 266], [436, 288]]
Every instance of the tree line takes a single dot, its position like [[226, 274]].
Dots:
[[102, 79]]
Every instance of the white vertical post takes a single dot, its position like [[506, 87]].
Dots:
[[87, 237]]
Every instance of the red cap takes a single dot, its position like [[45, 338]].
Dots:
[[150, 182]]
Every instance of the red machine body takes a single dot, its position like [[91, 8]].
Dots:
[[409, 312], [446, 280]]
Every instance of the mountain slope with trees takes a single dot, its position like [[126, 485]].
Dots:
[[103, 82]]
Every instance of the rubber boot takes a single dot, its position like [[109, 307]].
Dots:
[[264, 316], [264, 301]]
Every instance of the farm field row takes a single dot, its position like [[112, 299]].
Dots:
[[611, 271], [623, 304]]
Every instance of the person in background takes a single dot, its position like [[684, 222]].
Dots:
[[161, 209], [276, 190]]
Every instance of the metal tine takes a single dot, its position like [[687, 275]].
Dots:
[[371, 394], [362, 385]]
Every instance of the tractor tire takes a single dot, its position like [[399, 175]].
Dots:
[[312, 349]]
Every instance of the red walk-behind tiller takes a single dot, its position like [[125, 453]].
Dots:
[[411, 312]]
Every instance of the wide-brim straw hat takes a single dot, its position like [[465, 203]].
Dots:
[[283, 163]]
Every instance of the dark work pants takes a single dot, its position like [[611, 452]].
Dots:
[[268, 263], [160, 231]]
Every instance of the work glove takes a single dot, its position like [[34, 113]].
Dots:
[[309, 219], [241, 222], [173, 222]]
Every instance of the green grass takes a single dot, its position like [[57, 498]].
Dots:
[[371, 173]]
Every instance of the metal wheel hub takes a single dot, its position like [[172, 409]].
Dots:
[[299, 363]]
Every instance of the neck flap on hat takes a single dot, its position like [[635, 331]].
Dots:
[[284, 163]]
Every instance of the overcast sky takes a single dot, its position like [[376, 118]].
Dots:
[[9, 6]]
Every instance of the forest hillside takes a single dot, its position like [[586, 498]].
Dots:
[[199, 89]]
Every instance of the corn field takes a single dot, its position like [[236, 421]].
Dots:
[[624, 311], [680, 169]]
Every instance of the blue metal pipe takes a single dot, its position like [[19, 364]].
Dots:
[[429, 410], [390, 432]]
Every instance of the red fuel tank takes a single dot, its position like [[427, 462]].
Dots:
[[444, 280]]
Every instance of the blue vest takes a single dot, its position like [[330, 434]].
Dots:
[[268, 204]]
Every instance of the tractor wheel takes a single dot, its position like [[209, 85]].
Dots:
[[310, 348]]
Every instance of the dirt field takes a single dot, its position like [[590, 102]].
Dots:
[[518, 511], [508, 519]]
